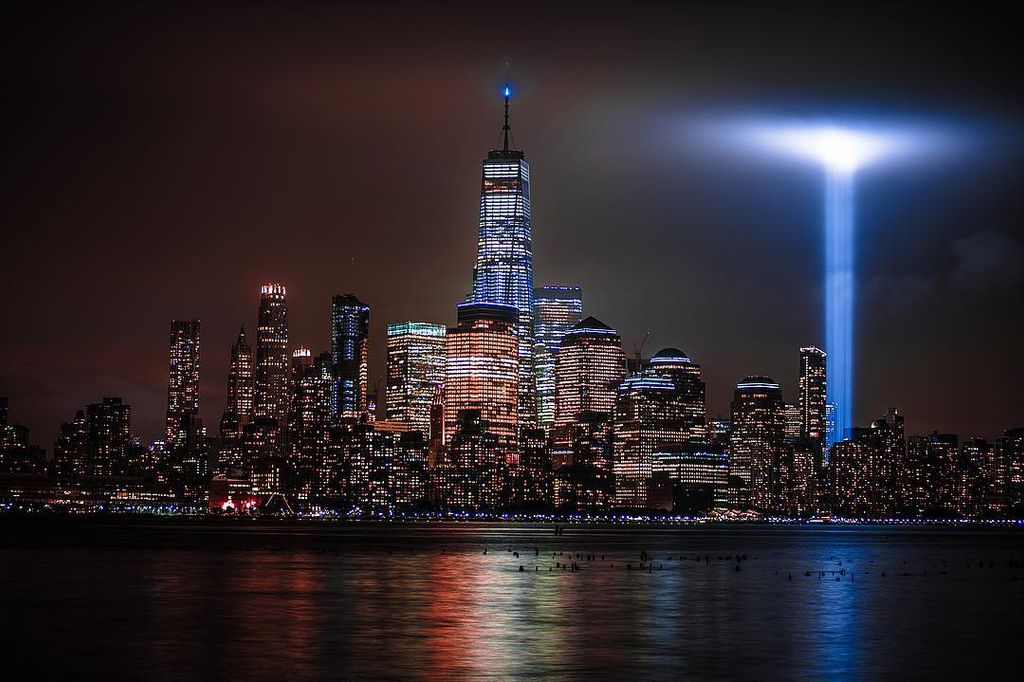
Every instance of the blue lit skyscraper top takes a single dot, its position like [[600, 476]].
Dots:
[[350, 330], [504, 260]]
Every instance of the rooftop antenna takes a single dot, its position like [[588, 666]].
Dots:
[[508, 93]]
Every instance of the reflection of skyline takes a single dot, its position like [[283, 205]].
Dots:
[[411, 602], [452, 622]]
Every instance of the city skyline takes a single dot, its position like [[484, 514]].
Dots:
[[922, 314], [501, 286], [542, 341]]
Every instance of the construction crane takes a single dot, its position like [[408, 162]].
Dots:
[[638, 350]]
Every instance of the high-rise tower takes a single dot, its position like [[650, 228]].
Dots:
[[482, 372], [270, 400], [183, 378], [674, 364], [504, 261], [555, 310], [416, 362], [812, 395], [350, 333], [649, 416], [756, 443], [590, 367], [239, 407]]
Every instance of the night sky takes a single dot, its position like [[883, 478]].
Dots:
[[163, 162]]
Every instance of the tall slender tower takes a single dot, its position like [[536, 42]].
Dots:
[[556, 309], [183, 378], [350, 332], [756, 443], [812, 396], [270, 400], [240, 386], [504, 259]]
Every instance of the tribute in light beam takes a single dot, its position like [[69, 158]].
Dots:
[[841, 151]]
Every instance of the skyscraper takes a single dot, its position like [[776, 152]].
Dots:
[[863, 469], [677, 366], [555, 310], [928, 474], [504, 262], [415, 368], [812, 395], [649, 416], [270, 400], [482, 371], [240, 389], [589, 368], [756, 444], [97, 442], [183, 379], [310, 419], [350, 332], [1007, 471]]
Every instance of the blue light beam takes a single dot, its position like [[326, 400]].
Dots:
[[840, 151], [840, 293], [842, 148]]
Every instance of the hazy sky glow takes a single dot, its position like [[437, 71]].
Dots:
[[845, 145], [168, 159]]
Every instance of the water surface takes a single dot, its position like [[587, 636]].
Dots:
[[179, 599]]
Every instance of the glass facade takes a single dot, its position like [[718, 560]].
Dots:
[[555, 310], [700, 476], [415, 369], [270, 400], [756, 444], [482, 370], [812, 395], [350, 332], [504, 262], [589, 369], [183, 378], [649, 416]]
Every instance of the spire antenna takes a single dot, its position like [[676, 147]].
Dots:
[[508, 93]]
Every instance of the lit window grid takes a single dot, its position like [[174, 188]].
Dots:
[[482, 373], [350, 325], [183, 375], [416, 361], [556, 309], [588, 371], [272, 366], [504, 264]]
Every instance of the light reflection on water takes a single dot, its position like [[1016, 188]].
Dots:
[[274, 601]]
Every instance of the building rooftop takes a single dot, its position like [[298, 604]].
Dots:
[[667, 355], [590, 325], [757, 382]]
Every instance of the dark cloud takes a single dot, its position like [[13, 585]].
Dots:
[[986, 261]]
